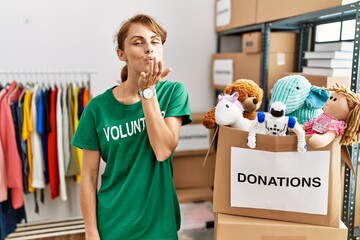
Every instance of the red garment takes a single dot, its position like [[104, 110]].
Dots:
[[3, 175], [52, 149], [8, 138]]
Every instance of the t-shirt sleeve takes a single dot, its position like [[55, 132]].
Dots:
[[85, 136], [179, 105]]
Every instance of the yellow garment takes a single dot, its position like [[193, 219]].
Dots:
[[26, 130], [76, 122]]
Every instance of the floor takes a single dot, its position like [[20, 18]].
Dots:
[[197, 221], [196, 234]]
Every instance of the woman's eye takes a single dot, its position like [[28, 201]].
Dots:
[[155, 42], [137, 42]]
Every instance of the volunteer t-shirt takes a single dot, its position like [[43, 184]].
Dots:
[[137, 197]]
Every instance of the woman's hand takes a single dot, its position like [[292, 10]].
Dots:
[[154, 75]]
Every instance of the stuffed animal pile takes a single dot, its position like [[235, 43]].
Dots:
[[250, 95]]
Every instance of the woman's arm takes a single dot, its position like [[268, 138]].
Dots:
[[163, 133], [88, 190]]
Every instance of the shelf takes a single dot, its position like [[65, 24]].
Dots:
[[303, 24]]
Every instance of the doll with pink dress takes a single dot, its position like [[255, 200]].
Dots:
[[341, 118]]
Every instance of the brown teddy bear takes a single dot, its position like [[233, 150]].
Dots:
[[250, 95]]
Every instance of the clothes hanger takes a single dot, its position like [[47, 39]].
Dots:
[[13, 92]]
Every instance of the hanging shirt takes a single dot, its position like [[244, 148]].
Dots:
[[41, 128], [52, 148], [12, 158], [73, 168], [81, 101], [60, 145], [27, 128], [65, 123], [38, 178], [17, 112], [86, 96], [9, 217], [137, 197], [3, 174], [76, 122]]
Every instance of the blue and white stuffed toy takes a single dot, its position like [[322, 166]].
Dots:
[[276, 123]]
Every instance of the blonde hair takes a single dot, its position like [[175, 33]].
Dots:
[[352, 128]]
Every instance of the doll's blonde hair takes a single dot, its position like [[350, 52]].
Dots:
[[352, 128]]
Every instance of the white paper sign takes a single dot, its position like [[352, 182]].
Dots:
[[281, 59], [193, 137], [223, 12], [285, 181], [223, 71]]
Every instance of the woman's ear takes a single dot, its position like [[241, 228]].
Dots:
[[121, 54]]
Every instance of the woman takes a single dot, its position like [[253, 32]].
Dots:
[[134, 127]]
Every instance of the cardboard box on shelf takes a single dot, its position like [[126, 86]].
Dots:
[[230, 227], [284, 42], [307, 6], [270, 10], [323, 81], [189, 171], [247, 66], [194, 138], [330, 201], [228, 67], [230, 14]]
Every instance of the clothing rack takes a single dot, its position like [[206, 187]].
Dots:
[[44, 74]]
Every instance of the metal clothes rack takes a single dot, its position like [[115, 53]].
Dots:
[[47, 74], [305, 25]]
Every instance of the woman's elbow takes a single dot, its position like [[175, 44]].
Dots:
[[163, 153]]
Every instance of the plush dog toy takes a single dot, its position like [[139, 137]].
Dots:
[[250, 96], [302, 100]]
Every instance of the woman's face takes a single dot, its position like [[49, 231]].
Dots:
[[141, 46]]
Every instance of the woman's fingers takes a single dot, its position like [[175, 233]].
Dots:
[[154, 75], [165, 72]]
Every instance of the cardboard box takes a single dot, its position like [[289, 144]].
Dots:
[[247, 66], [279, 42], [231, 14], [188, 195], [324, 81], [307, 6], [194, 138], [189, 171], [230, 227], [229, 137], [270, 10]]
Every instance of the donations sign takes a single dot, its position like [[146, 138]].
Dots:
[[286, 181]]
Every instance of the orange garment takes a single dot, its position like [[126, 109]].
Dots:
[[86, 97]]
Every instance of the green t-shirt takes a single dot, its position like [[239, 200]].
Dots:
[[137, 197]]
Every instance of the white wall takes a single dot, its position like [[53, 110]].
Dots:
[[78, 34]]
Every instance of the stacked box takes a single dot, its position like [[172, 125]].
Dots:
[[192, 178], [228, 67], [277, 187], [230, 227]]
